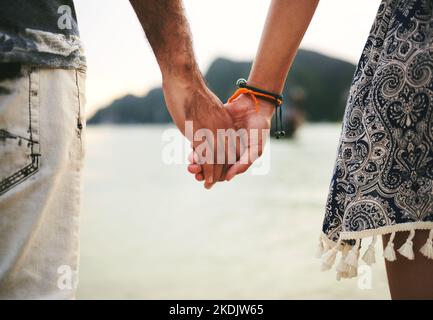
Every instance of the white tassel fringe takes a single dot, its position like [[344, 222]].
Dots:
[[353, 272], [342, 267], [369, 256], [389, 252], [406, 250], [353, 255], [348, 264], [427, 249], [320, 249], [328, 258]]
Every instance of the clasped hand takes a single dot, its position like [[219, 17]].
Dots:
[[226, 139], [238, 142]]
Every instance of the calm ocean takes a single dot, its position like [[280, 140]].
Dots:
[[150, 231]]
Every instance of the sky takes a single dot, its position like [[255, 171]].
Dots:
[[121, 62]]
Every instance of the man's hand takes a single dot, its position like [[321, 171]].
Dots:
[[186, 95], [253, 139], [194, 102]]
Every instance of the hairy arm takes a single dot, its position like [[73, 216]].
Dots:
[[185, 91], [168, 33]]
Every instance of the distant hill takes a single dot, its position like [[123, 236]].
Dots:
[[325, 82]]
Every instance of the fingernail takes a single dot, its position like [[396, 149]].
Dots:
[[209, 180]]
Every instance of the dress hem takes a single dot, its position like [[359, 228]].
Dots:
[[348, 265]]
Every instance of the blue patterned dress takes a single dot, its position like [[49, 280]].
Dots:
[[383, 176]]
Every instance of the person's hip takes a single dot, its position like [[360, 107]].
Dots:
[[41, 150]]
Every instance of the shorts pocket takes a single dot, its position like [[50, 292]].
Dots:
[[19, 126]]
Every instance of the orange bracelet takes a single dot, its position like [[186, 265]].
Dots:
[[253, 94]]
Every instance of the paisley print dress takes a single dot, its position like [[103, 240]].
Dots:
[[383, 176]]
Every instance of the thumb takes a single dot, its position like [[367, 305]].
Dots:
[[239, 167], [248, 156]]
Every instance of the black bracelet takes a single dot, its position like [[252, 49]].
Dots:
[[242, 83], [279, 132]]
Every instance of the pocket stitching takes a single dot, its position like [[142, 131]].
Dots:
[[22, 174]]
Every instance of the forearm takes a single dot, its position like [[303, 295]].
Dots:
[[168, 33], [284, 29]]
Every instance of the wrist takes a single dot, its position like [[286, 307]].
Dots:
[[265, 85], [181, 80], [181, 70], [182, 97], [266, 108], [266, 100]]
